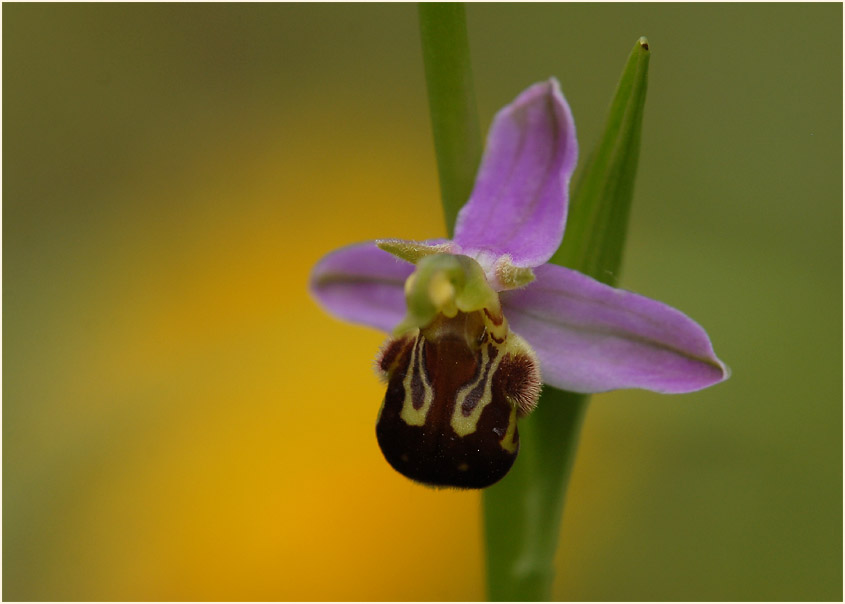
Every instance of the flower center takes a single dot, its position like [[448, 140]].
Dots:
[[457, 379], [447, 284]]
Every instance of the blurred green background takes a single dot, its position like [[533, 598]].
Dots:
[[180, 421]]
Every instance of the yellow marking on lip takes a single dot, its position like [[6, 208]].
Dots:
[[409, 415], [507, 442], [467, 424]]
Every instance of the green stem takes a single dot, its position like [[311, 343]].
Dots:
[[523, 512], [451, 100]]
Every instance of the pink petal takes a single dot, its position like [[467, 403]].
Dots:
[[362, 284], [591, 337], [518, 205]]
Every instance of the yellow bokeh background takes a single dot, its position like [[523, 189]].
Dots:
[[181, 421]]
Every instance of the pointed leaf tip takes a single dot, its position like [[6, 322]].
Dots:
[[602, 196]]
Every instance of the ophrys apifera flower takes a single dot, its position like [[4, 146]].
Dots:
[[480, 321]]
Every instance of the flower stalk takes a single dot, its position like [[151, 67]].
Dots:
[[523, 512]]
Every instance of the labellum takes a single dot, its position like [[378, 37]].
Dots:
[[457, 384]]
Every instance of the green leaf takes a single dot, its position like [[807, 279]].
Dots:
[[601, 199], [523, 512], [451, 100]]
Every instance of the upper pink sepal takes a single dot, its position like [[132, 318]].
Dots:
[[519, 203]]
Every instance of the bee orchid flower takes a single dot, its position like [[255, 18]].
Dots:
[[479, 322]]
